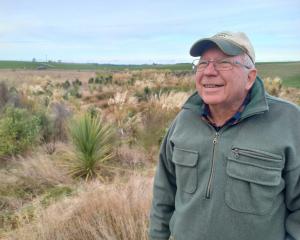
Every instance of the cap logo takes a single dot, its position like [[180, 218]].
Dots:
[[223, 35]]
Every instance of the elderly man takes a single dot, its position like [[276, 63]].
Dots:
[[229, 166]]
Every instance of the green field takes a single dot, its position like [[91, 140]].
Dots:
[[289, 72], [88, 66]]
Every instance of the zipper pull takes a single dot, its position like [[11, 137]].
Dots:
[[215, 140], [236, 152]]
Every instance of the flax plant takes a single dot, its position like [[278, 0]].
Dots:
[[91, 146]]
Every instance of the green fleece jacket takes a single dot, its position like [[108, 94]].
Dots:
[[240, 183]]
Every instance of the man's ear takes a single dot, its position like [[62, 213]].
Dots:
[[251, 78]]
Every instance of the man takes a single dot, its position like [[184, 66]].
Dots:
[[229, 166]]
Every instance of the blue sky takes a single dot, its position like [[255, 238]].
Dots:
[[132, 31]]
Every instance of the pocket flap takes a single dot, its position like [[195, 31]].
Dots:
[[267, 176], [183, 157]]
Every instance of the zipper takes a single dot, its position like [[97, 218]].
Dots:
[[212, 169], [255, 154]]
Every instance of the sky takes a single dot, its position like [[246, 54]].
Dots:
[[142, 31]]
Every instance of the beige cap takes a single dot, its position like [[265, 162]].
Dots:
[[231, 43]]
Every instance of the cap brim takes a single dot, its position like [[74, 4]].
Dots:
[[227, 47]]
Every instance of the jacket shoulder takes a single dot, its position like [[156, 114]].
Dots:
[[275, 102]]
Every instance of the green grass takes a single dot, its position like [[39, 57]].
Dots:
[[293, 81], [88, 66], [289, 72], [55, 194]]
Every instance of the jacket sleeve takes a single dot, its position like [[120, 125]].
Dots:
[[164, 190], [292, 180], [292, 183]]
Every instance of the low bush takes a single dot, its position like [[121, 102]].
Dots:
[[155, 121], [19, 130]]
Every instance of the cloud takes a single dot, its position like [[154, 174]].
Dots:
[[132, 28]]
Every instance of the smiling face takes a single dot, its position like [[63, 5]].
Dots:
[[225, 89]]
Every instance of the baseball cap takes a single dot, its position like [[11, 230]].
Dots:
[[231, 43]]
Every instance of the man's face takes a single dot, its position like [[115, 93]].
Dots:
[[222, 88]]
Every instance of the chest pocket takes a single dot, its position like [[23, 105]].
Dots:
[[186, 169], [253, 179]]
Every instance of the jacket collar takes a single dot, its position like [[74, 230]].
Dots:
[[258, 103]]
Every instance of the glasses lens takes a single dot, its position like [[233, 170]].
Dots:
[[220, 65], [223, 65], [202, 65], [195, 64]]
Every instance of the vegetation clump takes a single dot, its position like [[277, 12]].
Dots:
[[92, 145], [19, 130]]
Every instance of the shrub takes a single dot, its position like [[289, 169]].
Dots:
[[4, 94], [53, 125], [66, 84], [19, 130], [155, 120], [75, 91], [91, 80], [76, 82], [60, 113], [92, 145], [9, 96], [104, 79]]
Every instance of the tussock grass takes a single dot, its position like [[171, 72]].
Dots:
[[132, 157], [169, 101], [21, 185], [107, 212], [27, 177], [41, 169], [273, 85]]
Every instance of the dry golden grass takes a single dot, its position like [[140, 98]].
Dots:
[[35, 171], [168, 101], [22, 183], [36, 77], [274, 87], [132, 156], [108, 212], [291, 94], [41, 169]]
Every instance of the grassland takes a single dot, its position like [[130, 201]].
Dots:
[[39, 198], [288, 72]]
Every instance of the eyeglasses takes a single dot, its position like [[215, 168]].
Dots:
[[224, 64]]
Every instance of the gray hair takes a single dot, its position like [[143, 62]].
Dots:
[[247, 60]]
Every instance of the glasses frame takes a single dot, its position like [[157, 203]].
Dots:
[[229, 60]]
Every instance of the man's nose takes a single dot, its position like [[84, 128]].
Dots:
[[210, 69]]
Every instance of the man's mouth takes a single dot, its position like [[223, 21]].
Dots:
[[212, 85]]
